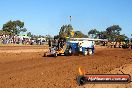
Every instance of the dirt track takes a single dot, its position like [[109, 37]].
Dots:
[[32, 70]]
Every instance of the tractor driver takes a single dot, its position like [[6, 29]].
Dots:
[[49, 43], [60, 43]]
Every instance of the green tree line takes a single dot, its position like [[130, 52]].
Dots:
[[112, 33], [13, 27]]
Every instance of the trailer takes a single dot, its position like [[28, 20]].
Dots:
[[82, 47]]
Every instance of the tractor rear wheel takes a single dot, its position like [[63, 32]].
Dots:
[[55, 54], [90, 51], [68, 52]]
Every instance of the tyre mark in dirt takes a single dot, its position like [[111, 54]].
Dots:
[[60, 72], [38, 64], [30, 64]]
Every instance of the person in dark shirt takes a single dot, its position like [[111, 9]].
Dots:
[[49, 43]]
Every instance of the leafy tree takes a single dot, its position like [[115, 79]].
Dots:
[[120, 38], [102, 35], [4, 33], [14, 27], [79, 34], [65, 31], [113, 32], [85, 36], [23, 30], [29, 34], [93, 33]]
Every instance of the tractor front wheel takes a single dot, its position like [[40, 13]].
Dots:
[[45, 54], [85, 52]]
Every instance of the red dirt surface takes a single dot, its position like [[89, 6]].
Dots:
[[32, 70]]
